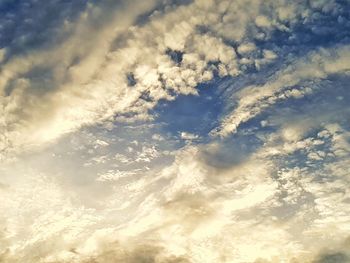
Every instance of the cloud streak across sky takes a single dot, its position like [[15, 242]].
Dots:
[[174, 131]]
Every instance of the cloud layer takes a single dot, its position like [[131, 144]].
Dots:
[[174, 131]]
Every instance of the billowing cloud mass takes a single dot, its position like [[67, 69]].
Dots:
[[175, 131]]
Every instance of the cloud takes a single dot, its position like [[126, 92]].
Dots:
[[45, 115], [105, 181], [146, 253], [115, 175], [189, 206], [59, 88], [197, 209], [335, 257], [252, 100], [188, 136], [33, 222], [338, 254]]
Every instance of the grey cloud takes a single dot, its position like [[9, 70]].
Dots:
[[139, 254], [111, 253], [340, 254], [336, 257]]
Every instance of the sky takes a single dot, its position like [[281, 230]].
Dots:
[[174, 131]]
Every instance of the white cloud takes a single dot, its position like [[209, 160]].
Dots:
[[252, 100], [192, 209], [85, 80], [116, 175], [246, 48], [268, 203], [188, 136]]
